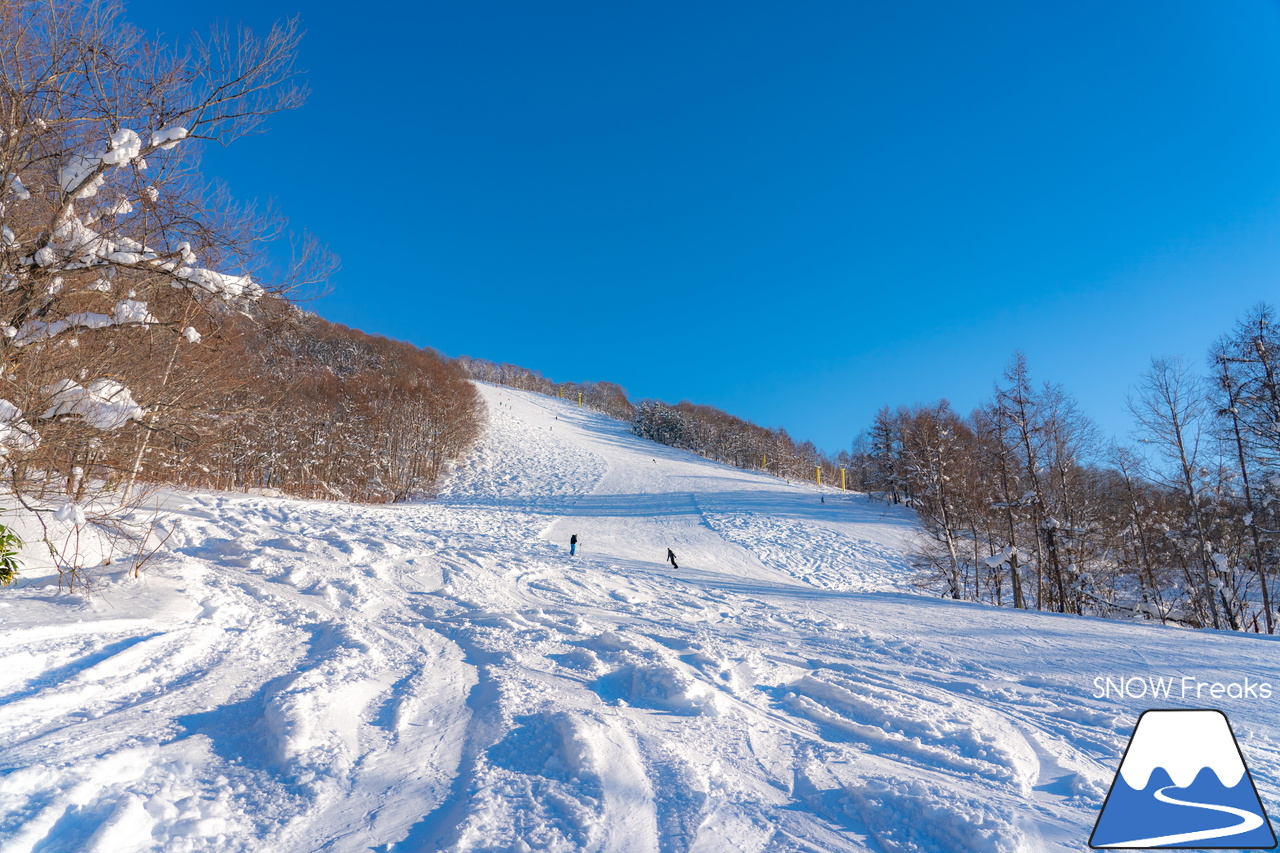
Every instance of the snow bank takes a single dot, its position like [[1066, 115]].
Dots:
[[915, 816], [669, 689]]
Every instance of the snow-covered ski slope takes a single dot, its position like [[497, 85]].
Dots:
[[300, 676]]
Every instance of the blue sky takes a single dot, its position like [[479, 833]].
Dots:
[[795, 212]]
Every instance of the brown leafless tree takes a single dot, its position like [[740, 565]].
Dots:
[[117, 260]]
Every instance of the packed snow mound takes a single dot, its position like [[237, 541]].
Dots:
[[301, 676]]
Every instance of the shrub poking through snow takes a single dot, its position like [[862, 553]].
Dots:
[[10, 542]]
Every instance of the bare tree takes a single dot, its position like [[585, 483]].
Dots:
[[1170, 408], [935, 444], [1021, 413], [116, 258]]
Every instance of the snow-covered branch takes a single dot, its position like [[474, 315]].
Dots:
[[118, 263]]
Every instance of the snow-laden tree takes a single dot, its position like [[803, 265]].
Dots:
[[658, 422], [1171, 410], [116, 258], [1246, 395]]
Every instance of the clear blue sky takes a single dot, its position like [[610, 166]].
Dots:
[[797, 212]]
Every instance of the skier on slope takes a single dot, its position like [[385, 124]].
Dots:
[[671, 556], [573, 544]]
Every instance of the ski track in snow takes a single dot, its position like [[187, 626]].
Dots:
[[301, 676]]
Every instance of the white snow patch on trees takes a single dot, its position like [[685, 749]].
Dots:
[[132, 311], [15, 432], [125, 145], [168, 138], [71, 513], [103, 403]]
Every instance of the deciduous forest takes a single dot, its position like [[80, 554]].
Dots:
[[1025, 505]]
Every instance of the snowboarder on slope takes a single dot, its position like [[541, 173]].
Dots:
[[573, 544], [671, 556]]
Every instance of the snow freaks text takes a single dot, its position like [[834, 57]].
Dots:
[[1177, 687]]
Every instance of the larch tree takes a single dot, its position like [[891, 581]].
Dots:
[[1170, 408]]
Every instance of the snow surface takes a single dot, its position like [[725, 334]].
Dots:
[[303, 676]]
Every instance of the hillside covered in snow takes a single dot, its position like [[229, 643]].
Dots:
[[304, 676]]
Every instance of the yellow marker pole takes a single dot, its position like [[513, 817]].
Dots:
[[819, 476], [560, 393], [579, 399], [842, 479], [764, 462]]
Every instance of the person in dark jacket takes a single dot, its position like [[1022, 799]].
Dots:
[[671, 556], [573, 544]]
